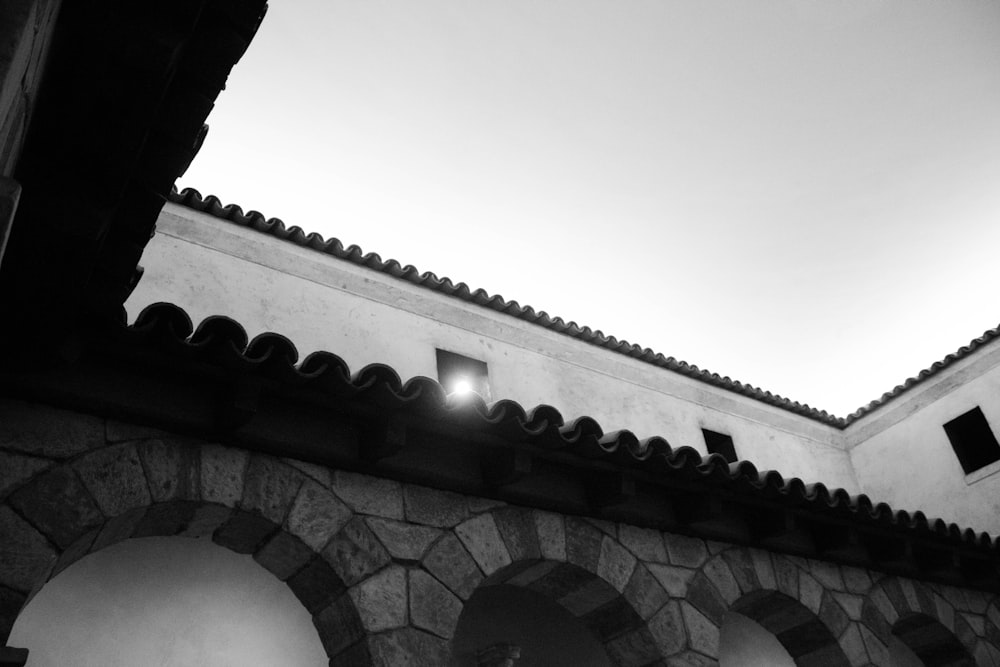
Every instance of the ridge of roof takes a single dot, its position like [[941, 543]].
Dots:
[[212, 205], [221, 342]]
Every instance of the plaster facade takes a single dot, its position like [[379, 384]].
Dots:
[[209, 267]]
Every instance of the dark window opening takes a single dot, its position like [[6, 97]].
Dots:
[[720, 443], [459, 374], [973, 440]]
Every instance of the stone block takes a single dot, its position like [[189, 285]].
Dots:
[[59, 505], [355, 552], [381, 599], [316, 514], [878, 652], [592, 593], [787, 576], [223, 470], [645, 543], [165, 519], [451, 563], [633, 648], [338, 626], [644, 592], [704, 595], [432, 507], [119, 528], [172, 469], [909, 594], [675, 580], [40, 430], [810, 592], [410, 647], [369, 495], [856, 580], [853, 646], [703, 633], [977, 623], [355, 655], [244, 532], [945, 613], [764, 569], [615, 564], [718, 572], [517, 528], [685, 551], [827, 574], [884, 605], [432, 606], [270, 487], [17, 469], [741, 565], [667, 628], [851, 604], [873, 617], [612, 619], [831, 613], [583, 543], [403, 540], [24, 552], [115, 478], [316, 585], [551, 535], [283, 555], [963, 630], [977, 601], [481, 538], [607, 527], [206, 520], [318, 473], [562, 580], [76, 551], [532, 573]]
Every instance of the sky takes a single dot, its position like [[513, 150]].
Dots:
[[799, 194]]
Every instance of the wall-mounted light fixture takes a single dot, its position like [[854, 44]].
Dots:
[[461, 375]]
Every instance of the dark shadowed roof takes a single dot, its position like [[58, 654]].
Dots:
[[215, 383]]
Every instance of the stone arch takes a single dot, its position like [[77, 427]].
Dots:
[[925, 620], [582, 567], [253, 504], [793, 598]]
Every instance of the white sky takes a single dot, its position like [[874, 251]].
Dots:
[[800, 194]]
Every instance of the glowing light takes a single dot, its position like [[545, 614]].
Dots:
[[462, 387]]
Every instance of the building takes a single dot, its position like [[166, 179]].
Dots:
[[599, 488]]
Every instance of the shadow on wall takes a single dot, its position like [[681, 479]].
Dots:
[[186, 601], [545, 632]]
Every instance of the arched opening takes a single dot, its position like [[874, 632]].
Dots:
[[805, 638], [544, 632], [167, 601], [745, 643], [923, 640], [558, 610]]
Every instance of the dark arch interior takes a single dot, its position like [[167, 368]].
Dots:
[[933, 643], [544, 631], [805, 637]]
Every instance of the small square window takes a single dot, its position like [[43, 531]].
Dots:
[[720, 443], [973, 440], [463, 375]]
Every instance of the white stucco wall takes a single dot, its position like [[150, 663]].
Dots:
[[902, 455], [211, 267]]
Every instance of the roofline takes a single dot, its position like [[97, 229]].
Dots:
[[212, 205]]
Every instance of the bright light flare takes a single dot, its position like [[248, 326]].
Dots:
[[462, 387]]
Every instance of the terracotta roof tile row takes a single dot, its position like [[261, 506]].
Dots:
[[211, 205], [220, 342]]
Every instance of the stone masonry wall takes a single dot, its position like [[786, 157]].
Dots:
[[385, 568]]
